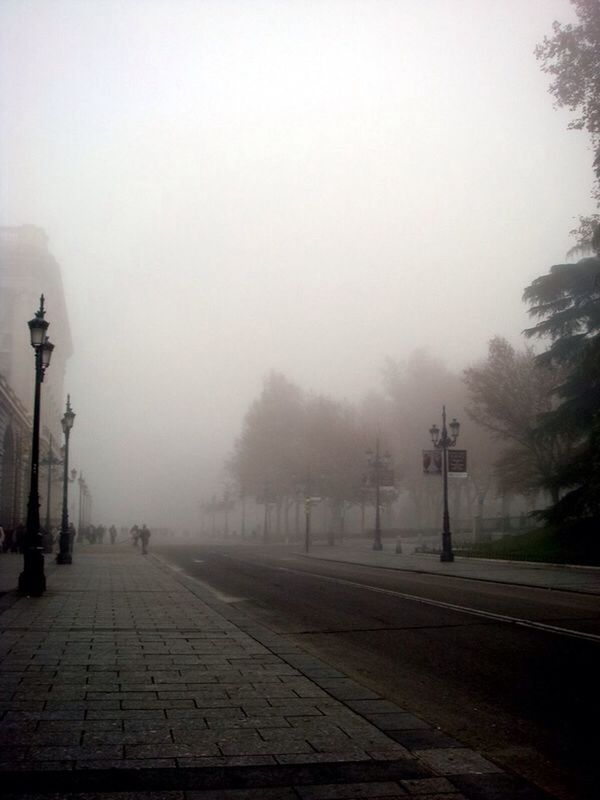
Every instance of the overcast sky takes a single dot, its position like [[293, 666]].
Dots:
[[237, 186]]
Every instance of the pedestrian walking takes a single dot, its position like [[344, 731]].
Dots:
[[8, 545], [113, 534], [72, 534], [19, 544], [145, 537], [135, 535]]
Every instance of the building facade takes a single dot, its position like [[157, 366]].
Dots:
[[27, 270]]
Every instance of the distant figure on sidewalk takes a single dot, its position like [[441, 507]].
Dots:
[[72, 535], [20, 539], [113, 534], [8, 543], [135, 535], [145, 537], [47, 540], [100, 531]]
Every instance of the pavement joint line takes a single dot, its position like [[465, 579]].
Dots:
[[451, 606], [330, 631], [189, 776], [285, 658], [420, 571]]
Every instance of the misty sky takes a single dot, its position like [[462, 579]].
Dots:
[[310, 186]]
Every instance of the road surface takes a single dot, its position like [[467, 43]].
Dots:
[[509, 671]]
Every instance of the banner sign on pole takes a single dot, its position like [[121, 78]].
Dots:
[[432, 462], [386, 479], [457, 463]]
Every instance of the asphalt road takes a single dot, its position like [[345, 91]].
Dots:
[[525, 695]]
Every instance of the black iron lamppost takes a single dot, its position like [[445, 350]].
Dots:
[[310, 500], [377, 463], [32, 580], [307, 511], [267, 519], [82, 489], [50, 461], [442, 441], [64, 556]]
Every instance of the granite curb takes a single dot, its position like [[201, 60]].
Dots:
[[475, 578], [443, 755]]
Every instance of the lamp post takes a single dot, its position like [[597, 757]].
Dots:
[[442, 440], [50, 461], [378, 462], [307, 511], [81, 484], [267, 519], [64, 556], [32, 580], [303, 490]]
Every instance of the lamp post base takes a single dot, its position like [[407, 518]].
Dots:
[[377, 546], [446, 557], [64, 554], [32, 581]]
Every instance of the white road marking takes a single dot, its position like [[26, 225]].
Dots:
[[224, 598], [525, 623]]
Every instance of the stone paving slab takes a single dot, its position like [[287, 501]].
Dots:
[[126, 676]]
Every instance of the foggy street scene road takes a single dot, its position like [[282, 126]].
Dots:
[[299, 399], [520, 696]]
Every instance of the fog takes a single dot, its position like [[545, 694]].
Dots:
[[311, 187]]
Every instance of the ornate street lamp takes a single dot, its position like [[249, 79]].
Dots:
[[82, 489], [64, 556], [442, 441], [377, 463], [32, 580], [49, 461]]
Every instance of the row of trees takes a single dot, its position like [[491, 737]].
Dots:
[[535, 420], [294, 443]]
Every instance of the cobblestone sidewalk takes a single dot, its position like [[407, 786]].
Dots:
[[130, 681]]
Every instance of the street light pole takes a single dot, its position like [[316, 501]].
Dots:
[[50, 461], [307, 512], [267, 519], [442, 441], [64, 556], [80, 483], [32, 580], [376, 462]]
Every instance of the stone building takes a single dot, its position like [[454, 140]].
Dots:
[[27, 270]]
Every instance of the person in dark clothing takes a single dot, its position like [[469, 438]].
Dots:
[[113, 534], [145, 537], [8, 543], [135, 535], [19, 544]]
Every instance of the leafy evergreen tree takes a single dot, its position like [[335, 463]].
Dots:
[[572, 58], [566, 302], [508, 393]]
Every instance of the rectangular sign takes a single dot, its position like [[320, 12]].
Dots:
[[432, 462], [386, 479], [457, 463]]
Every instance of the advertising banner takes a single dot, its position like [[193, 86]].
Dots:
[[432, 462], [457, 463]]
